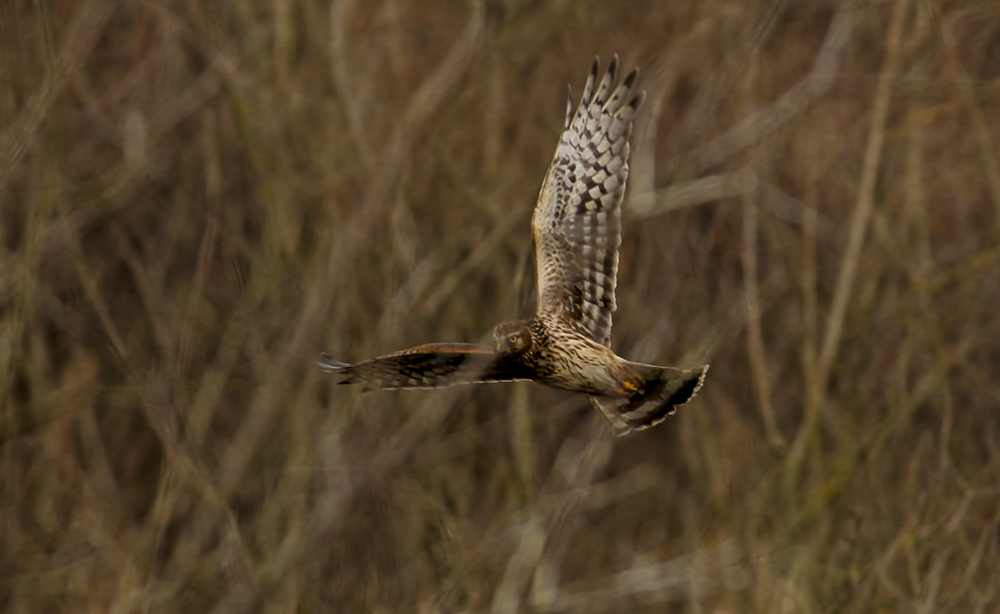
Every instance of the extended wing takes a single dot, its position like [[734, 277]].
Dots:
[[577, 221], [434, 365]]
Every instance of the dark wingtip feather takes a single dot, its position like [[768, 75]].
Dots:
[[613, 67], [638, 100], [569, 106], [630, 79], [330, 365]]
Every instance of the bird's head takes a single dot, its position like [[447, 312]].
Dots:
[[512, 337]]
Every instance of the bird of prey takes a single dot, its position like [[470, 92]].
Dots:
[[576, 229]]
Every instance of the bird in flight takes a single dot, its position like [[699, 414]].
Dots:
[[576, 229]]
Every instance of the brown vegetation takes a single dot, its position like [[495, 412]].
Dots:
[[199, 197]]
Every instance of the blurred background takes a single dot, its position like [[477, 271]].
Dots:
[[199, 198]]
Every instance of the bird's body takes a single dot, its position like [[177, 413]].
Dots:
[[576, 228], [576, 363]]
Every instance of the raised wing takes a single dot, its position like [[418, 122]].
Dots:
[[434, 365], [577, 222]]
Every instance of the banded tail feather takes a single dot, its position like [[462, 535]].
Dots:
[[666, 389]]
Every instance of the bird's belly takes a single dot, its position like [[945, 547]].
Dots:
[[581, 369]]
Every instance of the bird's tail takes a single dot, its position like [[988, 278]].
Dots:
[[665, 390]]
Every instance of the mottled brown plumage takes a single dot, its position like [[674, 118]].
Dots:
[[576, 230]]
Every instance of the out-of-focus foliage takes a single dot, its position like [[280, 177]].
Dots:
[[196, 198]]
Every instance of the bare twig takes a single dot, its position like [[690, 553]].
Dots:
[[792, 103], [852, 254]]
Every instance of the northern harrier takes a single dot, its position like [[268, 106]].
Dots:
[[577, 230]]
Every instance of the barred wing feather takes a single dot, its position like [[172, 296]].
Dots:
[[577, 221], [433, 365]]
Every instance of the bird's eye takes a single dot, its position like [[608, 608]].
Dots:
[[512, 338]]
